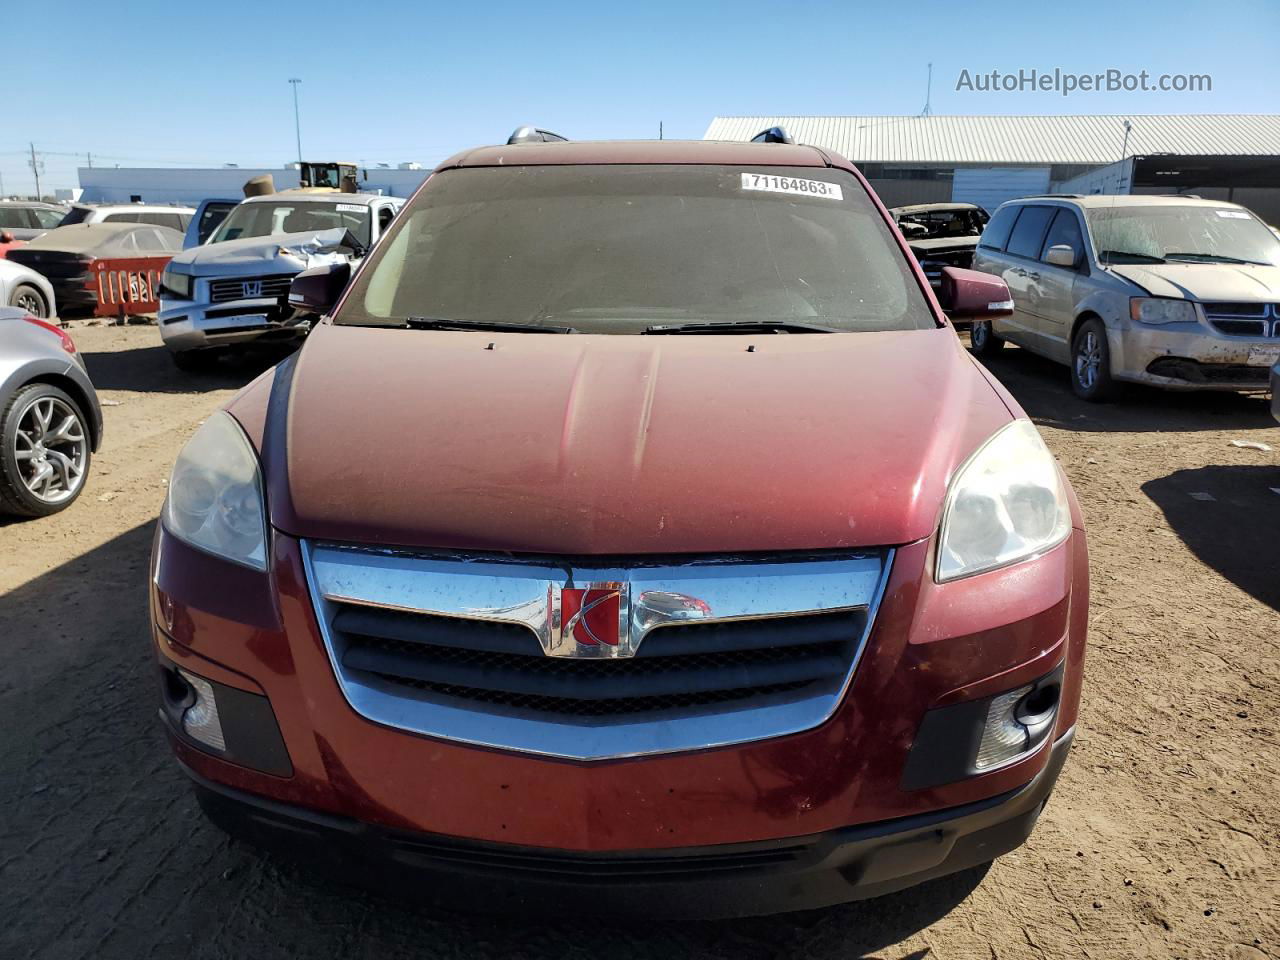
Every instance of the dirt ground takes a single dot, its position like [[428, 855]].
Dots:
[[1161, 840]]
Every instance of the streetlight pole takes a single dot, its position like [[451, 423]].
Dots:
[[297, 124]]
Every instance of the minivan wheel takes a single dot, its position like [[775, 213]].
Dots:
[[28, 298], [44, 451], [1091, 363], [983, 341]]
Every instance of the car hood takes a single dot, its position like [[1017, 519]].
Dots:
[[617, 445], [281, 253], [1205, 281]]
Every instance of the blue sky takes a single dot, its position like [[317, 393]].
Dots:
[[148, 83]]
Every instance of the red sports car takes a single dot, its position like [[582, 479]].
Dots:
[[632, 532]]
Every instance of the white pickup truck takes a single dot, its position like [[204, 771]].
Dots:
[[233, 289]]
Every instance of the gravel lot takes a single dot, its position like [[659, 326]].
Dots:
[[1161, 840]]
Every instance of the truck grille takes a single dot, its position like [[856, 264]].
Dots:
[[274, 287], [736, 672], [1244, 319]]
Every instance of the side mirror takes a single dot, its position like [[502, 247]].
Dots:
[[317, 290], [1060, 255], [973, 295]]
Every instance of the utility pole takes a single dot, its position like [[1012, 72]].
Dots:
[[659, 129], [89, 157], [35, 168], [928, 95], [297, 123], [1124, 152]]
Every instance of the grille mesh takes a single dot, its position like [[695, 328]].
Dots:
[[678, 668]]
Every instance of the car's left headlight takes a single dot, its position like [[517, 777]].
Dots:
[[1006, 503], [215, 500], [178, 284], [1161, 310]]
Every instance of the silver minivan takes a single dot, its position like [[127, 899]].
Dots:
[[1176, 292]]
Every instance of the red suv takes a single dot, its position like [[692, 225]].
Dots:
[[633, 530]]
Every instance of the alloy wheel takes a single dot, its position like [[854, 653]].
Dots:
[[31, 303], [51, 449], [1088, 359]]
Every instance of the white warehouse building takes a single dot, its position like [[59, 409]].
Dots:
[[989, 159]]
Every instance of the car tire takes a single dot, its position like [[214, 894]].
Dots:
[[194, 361], [1091, 363], [28, 298], [983, 341], [36, 413]]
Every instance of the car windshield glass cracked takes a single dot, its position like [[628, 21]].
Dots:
[[621, 248]]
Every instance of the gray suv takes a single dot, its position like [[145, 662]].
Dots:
[[1176, 292]]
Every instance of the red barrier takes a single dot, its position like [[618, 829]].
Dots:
[[126, 285]]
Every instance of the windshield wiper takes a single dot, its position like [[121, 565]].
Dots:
[[499, 326], [1213, 258], [741, 326], [1108, 256]]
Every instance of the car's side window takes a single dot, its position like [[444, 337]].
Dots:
[[14, 217], [996, 235], [48, 219], [1028, 233], [385, 216], [1064, 230]]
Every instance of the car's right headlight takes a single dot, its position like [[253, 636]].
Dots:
[[1006, 503], [178, 284], [1161, 310], [215, 500]]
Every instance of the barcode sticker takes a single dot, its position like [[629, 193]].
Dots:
[[1233, 214], [352, 207], [792, 185]]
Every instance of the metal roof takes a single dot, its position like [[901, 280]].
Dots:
[[1017, 140]]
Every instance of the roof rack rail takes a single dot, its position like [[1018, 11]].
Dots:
[[772, 135], [531, 134], [1051, 196]]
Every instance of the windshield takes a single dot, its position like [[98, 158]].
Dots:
[[268, 218], [1193, 234], [939, 224], [622, 248]]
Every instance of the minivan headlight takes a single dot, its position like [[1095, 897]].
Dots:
[[1161, 310], [178, 284], [215, 500], [1006, 503]]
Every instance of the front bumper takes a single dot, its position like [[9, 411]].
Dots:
[[932, 646], [190, 325], [793, 873], [1192, 358]]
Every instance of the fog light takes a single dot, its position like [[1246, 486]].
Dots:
[[1018, 722], [1003, 737], [200, 720]]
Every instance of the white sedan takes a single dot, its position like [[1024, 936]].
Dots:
[[22, 287]]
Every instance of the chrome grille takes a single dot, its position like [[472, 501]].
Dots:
[[456, 647], [274, 287], [1255, 320]]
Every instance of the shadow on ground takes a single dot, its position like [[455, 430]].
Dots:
[[151, 370], [1237, 533], [1044, 390], [104, 852]]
